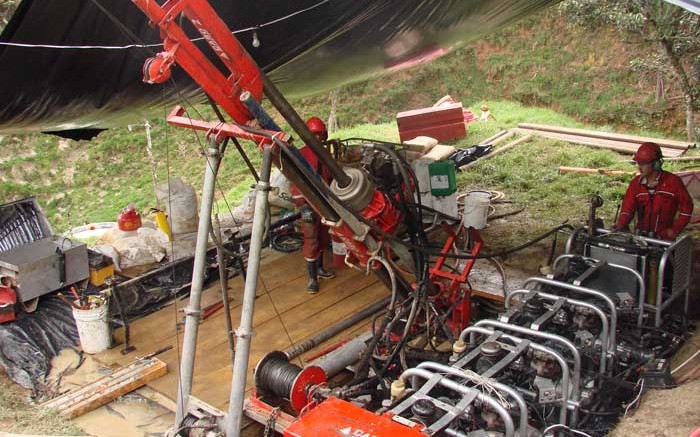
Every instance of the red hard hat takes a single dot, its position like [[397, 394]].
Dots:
[[317, 126], [647, 152]]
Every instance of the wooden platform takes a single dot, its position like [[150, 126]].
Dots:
[[284, 315]]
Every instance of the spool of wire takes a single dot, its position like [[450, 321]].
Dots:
[[275, 375]]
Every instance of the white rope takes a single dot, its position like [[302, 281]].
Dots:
[[639, 395], [557, 426], [142, 46], [686, 361]]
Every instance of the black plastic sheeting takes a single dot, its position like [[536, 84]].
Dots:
[[28, 344], [307, 46]]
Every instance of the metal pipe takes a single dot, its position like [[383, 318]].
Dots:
[[335, 329], [193, 310], [335, 361], [661, 279], [289, 114], [607, 346], [244, 333], [502, 387], [289, 161], [256, 109], [452, 385], [545, 335], [583, 290], [223, 281], [636, 274], [472, 330]]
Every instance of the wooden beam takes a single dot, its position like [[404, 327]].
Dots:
[[617, 146], [497, 151], [493, 137], [672, 144], [108, 388], [603, 171]]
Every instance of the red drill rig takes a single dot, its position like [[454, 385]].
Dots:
[[379, 226]]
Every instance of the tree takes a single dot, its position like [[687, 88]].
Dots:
[[7, 8], [674, 30]]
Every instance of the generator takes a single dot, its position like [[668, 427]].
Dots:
[[39, 261]]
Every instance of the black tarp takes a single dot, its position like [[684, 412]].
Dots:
[[306, 45], [28, 344]]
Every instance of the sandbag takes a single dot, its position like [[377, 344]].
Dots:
[[181, 205]]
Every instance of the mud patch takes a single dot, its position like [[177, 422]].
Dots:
[[132, 415]]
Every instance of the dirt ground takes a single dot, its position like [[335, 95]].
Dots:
[[664, 413]]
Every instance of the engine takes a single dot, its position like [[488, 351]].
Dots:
[[566, 350]]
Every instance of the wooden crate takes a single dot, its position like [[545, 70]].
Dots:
[[442, 123]]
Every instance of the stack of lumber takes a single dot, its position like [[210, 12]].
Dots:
[[605, 140], [108, 388]]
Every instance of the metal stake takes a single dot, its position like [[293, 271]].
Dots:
[[193, 310], [245, 330], [223, 281]]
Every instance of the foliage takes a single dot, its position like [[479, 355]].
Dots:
[[673, 29]]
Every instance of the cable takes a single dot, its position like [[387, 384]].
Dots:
[[557, 426], [148, 46], [327, 191], [639, 395], [686, 361]]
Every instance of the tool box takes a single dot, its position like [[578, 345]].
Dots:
[[101, 268], [39, 261]]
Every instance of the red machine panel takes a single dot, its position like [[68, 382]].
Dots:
[[334, 417]]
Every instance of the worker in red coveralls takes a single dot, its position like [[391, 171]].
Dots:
[[316, 237], [658, 198]]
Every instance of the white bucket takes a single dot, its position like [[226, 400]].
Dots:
[[476, 209], [93, 329]]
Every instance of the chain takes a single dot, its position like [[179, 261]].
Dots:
[[270, 424]]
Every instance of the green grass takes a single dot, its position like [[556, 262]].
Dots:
[[17, 415], [539, 62]]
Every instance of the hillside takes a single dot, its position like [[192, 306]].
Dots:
[[539, 62]]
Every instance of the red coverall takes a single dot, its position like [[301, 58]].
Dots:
[[316, 236], [656, 211]]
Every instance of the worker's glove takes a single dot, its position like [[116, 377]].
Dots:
[[669, 234]]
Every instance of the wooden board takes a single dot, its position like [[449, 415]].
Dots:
[[635, 139], [285, 314], [618, 146], [108, 388]]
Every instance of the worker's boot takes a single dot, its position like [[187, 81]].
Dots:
[[323, 273], [312, 285]]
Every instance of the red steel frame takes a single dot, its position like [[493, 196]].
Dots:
[[450, 292], [245, 75]]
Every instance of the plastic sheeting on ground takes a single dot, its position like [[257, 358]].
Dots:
[[28, 344], [306, 45]]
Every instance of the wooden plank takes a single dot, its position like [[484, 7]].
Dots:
[[497, 151], [108, 388], [281, 291], [668, 143], [493, 137], [602, 171], [617, 146]]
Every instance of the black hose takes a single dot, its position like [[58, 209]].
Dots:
[[327, 191]]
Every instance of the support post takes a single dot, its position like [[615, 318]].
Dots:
[[223, 281], [193, 310], [245, 330]]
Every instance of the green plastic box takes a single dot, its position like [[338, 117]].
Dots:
[[443, 180]]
